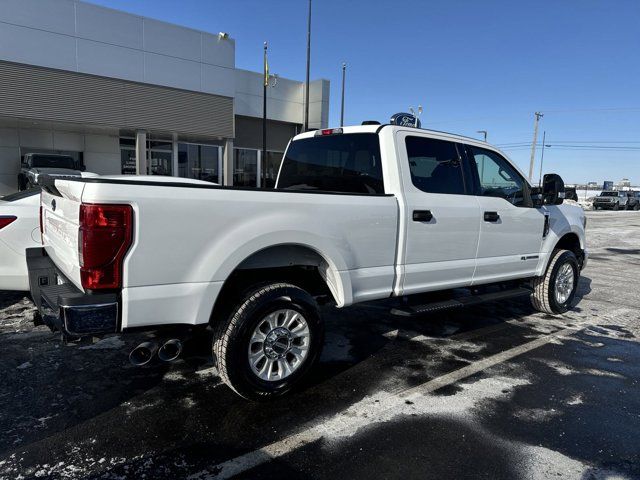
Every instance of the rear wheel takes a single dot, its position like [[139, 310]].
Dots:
[[555, 290], [270, 340]]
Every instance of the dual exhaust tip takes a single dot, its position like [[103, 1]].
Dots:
[[146, 351]]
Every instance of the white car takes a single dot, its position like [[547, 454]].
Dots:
[[358, 214], [19, 230]]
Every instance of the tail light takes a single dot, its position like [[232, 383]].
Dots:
[[6, 220], [105, 235], [328, 131]]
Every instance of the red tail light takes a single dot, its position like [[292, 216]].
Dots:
[[6, 220], [105, 235]]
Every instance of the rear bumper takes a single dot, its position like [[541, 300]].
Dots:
[[65, 308]]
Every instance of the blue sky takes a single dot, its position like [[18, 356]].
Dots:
[[473, 65]]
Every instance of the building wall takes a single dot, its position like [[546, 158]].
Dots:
[[101, 151], [81, 37]]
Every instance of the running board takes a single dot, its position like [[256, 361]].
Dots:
[[410, 311]]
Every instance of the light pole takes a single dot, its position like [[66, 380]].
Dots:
[[484, 133], [306, 84], [344, 70]]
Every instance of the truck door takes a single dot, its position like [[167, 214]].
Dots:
[[441, 216], [511, 230]]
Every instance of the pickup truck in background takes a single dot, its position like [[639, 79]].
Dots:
[[36, 165], [611, 200], [358, 214]]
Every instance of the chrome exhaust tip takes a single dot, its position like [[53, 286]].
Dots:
[[143, 353], [170, 350]]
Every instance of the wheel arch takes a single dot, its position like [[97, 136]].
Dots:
[[571, 241], [298, 263]]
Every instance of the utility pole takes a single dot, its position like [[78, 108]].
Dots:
[[533, 145], [306, 85], [544, 136], [483, 132], [344, 70]]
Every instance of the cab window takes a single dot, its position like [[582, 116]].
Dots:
[[435, 165], [498, 178]]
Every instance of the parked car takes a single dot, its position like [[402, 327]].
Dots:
[[611, 200], [633, 202], [34, 165], [19, 230], [358, 214], [571, 194]]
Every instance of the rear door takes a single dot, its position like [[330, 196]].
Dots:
[[441, 216], [60, 222], [511, 230]]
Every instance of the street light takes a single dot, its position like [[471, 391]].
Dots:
[[483, 132]]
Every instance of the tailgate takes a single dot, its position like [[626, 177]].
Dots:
[[60, 218]]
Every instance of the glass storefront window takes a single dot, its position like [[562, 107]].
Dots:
[[245, 167], [270, 167], [159, 155], [198, 161]]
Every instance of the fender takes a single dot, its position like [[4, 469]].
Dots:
[[563, 220]]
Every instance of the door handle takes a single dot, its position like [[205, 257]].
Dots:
[[422, 216], [491, 216]]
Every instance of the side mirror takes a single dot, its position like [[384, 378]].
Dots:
[[553, 189], [537, 197]]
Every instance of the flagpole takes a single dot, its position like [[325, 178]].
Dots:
[[264, 117], [306, 84]]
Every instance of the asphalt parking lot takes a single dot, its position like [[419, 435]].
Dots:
[[496, 391]]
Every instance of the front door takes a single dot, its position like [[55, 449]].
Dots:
[[441, 215], [511, 230]]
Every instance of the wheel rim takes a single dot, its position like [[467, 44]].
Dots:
[[564, 283], [279, 345]]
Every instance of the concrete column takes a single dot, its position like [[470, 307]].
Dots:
[[228, 162], [174, 156], [141, 152]]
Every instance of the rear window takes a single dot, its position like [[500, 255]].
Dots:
[[348, 163], [609, 194], [52, 161], [12, 197]]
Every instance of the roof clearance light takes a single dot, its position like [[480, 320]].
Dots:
[[328, 131]]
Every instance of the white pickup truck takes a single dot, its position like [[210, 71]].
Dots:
[[358, 214]]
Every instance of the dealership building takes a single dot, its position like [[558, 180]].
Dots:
[[109, 88]]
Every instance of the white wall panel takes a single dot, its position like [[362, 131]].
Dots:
[[68, 141], [172, 72], [35, 138], [167, 39], [218, 51], [8, 184], [218, 80], [51, 15], [9, 137], [26, 45], [103, 163], [109, 26], [102, 144], [110, 61], [9, 160]]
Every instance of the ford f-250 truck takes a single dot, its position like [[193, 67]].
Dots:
[[358, 214]]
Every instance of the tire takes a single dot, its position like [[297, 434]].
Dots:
[[543, 297], [637, 206], [616, 207], [261, 308]]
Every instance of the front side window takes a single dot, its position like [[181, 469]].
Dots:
[[435, 165], [498, 178], [345, 163]]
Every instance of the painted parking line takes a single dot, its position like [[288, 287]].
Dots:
[[350, 424]]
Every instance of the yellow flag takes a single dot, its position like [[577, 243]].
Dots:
[[266, 67]]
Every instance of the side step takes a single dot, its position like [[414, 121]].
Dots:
[[466, 301]]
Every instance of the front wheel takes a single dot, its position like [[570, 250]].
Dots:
[[555, 290], [270, 340], [616, 207]]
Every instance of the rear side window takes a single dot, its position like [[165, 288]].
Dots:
[[345, 163], [435, 165]]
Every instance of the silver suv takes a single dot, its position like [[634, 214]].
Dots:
[[611, 201], [36, 164]]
